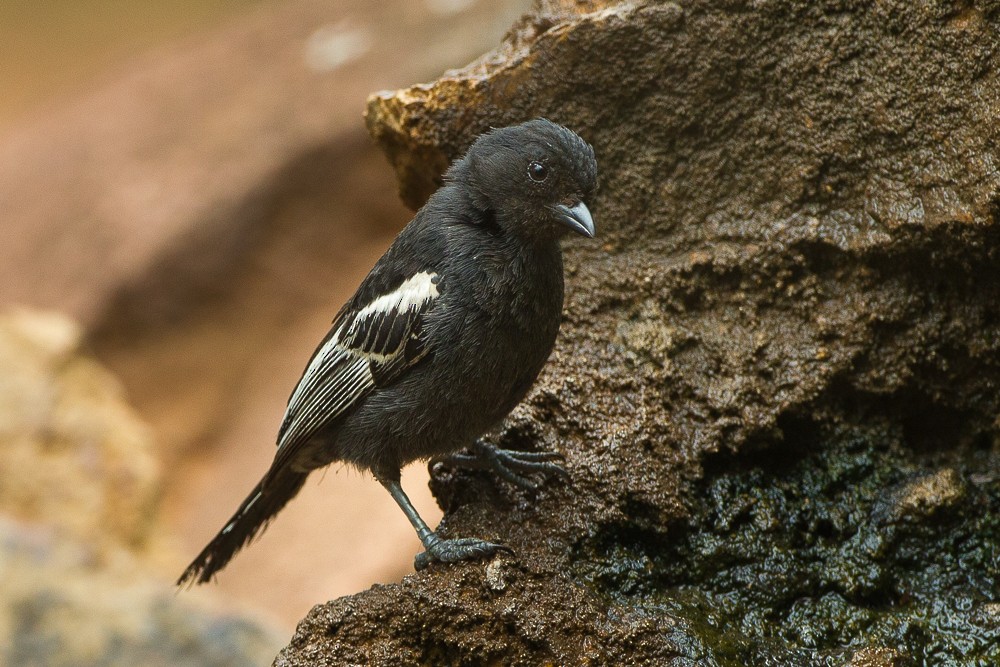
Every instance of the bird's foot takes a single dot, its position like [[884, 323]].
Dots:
[[452, 551], [510, 464]]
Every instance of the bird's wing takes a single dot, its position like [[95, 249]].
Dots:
[[370, 345]]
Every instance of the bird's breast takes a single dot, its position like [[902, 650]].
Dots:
[[517, 307]]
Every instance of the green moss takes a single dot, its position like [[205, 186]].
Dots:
[[813, 547]]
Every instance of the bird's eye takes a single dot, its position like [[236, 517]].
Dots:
[[538, 172]]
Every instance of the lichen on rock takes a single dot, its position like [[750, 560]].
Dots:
[[776, 384]]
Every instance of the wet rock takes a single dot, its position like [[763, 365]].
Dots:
[[786, 544], [776, 382], [876, 658]]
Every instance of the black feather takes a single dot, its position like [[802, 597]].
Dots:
[[270, 495], [428, 370]]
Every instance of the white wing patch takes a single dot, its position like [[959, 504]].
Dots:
[[340, 372], [411, 295]]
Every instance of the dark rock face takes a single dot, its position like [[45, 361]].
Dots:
[[777, 381]]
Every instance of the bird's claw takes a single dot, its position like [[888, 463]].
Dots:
[[511, 465], [452, 551]]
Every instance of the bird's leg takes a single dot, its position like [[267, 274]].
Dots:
[[511, 464], [437, 549]]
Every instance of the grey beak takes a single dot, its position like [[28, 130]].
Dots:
[[577, 218]]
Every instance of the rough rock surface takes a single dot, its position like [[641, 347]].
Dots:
[[79, 484], [777, 381]]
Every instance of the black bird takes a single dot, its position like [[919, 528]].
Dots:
[[443, 338]]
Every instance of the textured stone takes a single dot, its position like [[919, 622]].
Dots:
[[792, 312], [876, 658]]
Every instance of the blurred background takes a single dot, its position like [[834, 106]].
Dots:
[[187, 196]]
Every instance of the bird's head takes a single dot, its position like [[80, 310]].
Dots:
[[534, 178]]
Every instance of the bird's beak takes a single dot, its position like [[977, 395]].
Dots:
[[577, 218]]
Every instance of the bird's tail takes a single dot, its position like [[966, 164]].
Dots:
[[266, 500]]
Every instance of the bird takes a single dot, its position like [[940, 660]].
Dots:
[[442, 339]]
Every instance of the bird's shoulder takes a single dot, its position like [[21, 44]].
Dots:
[[448, 237], [376, 337]]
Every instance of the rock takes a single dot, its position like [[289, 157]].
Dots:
[[793, 306], [60, 607], [73, 454], [79, 550], [876, 658], [922, 497]]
